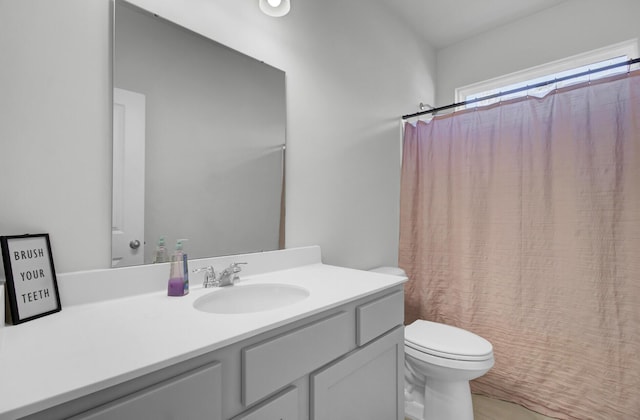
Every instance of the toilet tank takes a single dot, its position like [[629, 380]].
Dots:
[[395, 271]]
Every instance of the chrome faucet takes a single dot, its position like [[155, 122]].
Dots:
[[209, 276], [230, 274], [227, 277]]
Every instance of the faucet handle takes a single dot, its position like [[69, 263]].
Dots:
[[209, 275], [230, 274], [235, 266], [209, 270]]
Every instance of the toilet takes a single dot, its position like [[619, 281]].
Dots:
[[440, 360]]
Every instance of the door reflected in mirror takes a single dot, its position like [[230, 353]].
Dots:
[[209, 166]]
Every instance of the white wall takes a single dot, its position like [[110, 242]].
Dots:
[[571, 28], [349, 78], [55, 127]]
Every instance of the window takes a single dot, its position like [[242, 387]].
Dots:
[[602, 57]]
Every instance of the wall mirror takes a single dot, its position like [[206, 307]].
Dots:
[[199, 136]]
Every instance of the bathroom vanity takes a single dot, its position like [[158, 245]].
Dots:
[[336, 352]]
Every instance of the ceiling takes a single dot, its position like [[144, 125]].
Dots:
[[445, 22]]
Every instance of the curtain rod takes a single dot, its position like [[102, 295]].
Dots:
[[509, 92]]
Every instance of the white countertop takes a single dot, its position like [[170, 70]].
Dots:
[[92, 346]]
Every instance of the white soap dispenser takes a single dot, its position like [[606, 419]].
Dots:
[[161, 255]]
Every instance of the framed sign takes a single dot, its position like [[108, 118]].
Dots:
[[32, 288]]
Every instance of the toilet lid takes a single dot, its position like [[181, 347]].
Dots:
[[446, 341]]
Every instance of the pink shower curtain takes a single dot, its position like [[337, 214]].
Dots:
[[521, 223]]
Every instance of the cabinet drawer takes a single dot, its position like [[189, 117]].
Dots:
[[282, 407], [379, 316], [195, 395], [275, 363]]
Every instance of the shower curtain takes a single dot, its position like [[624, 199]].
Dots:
[[520, 222]]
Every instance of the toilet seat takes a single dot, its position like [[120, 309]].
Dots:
[[447, 342]]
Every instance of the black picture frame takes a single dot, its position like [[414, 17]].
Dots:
[[31, 283]]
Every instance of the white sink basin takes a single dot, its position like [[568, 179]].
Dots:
[[250, 298]]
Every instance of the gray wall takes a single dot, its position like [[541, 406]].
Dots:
[[349, 78]]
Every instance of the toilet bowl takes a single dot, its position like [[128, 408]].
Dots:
[[440, 360]]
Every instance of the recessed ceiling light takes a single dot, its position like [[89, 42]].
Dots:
[[275, 8]]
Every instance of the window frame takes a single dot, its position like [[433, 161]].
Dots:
[[628, 48]]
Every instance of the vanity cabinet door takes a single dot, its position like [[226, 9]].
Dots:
[[195, 395], [365, 384], [282, 407]]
